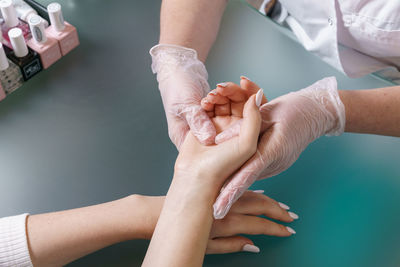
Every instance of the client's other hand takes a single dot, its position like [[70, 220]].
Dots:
[[215, 163], [243, 218]]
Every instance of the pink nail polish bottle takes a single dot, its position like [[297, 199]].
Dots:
[[47, 48], [11, 21], [60, 30]]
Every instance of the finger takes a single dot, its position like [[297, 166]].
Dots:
[[252, 203], [250, 130], [234, 129], [236, 95], [214, 97], [210, 114], [222, 110], [200, 124], [232, 91], [234, 224], [237, 109], [206, 105], [230, 245], [250, 88]]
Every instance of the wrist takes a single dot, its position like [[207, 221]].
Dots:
[[142, 215], [329, 109], [203, 186]]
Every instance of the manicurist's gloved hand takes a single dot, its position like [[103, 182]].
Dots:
[[290, 123], [182, 79]]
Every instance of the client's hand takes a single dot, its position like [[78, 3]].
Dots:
[[214, 164], [183, 229], [224, 237]]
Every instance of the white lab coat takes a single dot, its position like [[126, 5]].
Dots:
[[357, 37]]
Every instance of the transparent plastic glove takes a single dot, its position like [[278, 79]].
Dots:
[[182, 80], [290, 123]]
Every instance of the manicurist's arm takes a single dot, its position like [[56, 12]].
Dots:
[[191, 23], [181, 234], [374, 111]]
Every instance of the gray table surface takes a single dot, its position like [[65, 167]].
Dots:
[[92, 129]]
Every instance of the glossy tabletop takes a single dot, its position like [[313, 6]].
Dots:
[[92, 129]]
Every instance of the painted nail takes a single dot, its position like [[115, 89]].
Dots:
[[259, 97], [293, 215], [213, 93], [222, 84], [293, 232], [244, 77], [250, 248], [259, 191], [283, 206]]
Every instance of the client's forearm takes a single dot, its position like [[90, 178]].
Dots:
[[374, 111], [57, 238], [191, 23], [183, 229]]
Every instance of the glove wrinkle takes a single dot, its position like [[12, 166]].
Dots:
[[183, 83], [290, 123]]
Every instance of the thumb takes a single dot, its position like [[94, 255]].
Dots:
[[250, 128], [199, 123], [248, 111]]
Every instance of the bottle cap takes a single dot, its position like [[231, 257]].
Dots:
[[9, 13], [56, 16], [3, 59], [18, 42], [37, 29], [31, 14]]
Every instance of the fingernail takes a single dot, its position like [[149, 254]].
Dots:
[[259, 191], [244, 77], [293, 215], [293, 232], [222, 84], [213, 93], [259, 97], [283, 206], [251, 248]]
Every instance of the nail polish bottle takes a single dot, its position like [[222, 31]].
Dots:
[[47, 48], [25, 11], [39, 8], [26, 59], [10, 74], [11, 21], [60, 30]]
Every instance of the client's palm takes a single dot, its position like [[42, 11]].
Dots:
[[224, 105]]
